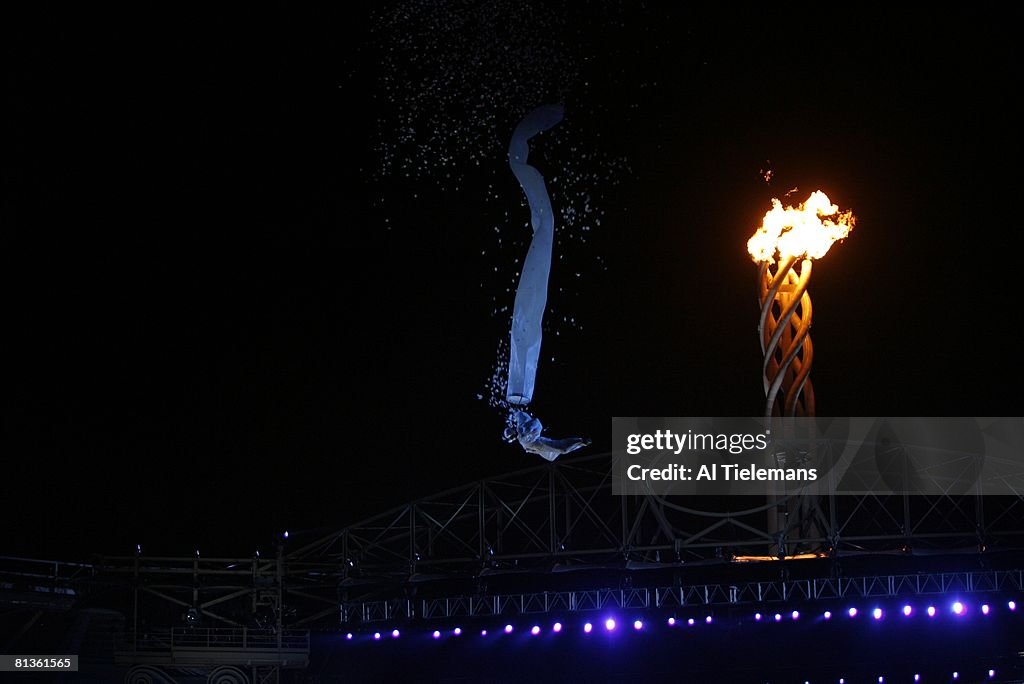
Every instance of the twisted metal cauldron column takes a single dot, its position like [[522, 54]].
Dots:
[[784, 329]]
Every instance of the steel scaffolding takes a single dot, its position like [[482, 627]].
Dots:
[[550, 538], [689, 597]]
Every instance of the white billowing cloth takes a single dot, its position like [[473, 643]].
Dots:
[[526, 429], [532, 293]]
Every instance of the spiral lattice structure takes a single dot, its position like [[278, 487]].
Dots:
[[784, 329]]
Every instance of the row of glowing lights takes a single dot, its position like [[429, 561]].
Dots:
[[917, 677], [958, 608]]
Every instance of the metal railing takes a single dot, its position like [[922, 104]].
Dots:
[[994, 582], [219, 639]]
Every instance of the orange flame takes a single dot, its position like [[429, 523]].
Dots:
[[807, 230]]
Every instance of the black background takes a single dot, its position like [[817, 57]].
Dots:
[[209, 335]]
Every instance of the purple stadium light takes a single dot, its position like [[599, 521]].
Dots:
[[757, 616], [828, 615], [956, 675], [931, 611], [778, 617], [557, 627], [535, 630], [880, 679], [708, 619], [958, 608], [587, 628], [671, 622], [436, 634], [376, 636], [877, 613], [609, 624], [984, 609], [508, 629], [395, 634], [483, 632], [907, 610], [842, 681], [917, 677], [795, 615], [852, 612], [991, 674], [349, 636], [690, 622], [638, 625], [457, 631], [1012, 605]]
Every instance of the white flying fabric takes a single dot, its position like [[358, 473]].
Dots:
[[532, 293], [526, 429]]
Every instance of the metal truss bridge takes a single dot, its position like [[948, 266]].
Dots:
[[548, 539]]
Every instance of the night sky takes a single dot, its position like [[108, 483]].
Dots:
[[228, 311]]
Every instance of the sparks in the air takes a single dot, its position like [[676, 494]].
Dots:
[[807, 230]]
